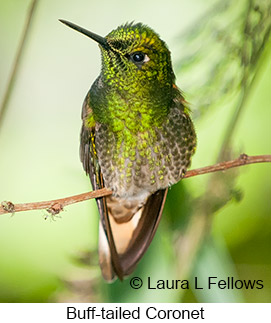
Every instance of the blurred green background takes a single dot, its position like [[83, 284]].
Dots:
[[48, 260]]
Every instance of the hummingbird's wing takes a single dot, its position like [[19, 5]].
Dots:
[[90, 162], [121, 243]]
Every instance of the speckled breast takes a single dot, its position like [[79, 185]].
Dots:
[[147, 161]]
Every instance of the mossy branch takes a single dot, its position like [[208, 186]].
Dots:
[[56, 206]]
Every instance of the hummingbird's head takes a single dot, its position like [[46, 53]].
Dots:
[[133, 54], [136, 50]]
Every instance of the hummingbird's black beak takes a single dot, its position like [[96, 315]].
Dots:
[[99, 39]]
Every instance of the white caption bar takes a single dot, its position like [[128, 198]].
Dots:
[[152, 312]]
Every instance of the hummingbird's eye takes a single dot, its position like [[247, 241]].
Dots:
[[139, 57]]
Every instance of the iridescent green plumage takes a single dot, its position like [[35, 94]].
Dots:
[[134, 105], [137, 139]]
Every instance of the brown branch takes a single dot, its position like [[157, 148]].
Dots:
[[56, 206]]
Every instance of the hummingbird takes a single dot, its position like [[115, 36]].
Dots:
[[137, 140]]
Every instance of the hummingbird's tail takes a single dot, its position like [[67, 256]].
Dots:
[[133, 224]]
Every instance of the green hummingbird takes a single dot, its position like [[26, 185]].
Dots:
[[137, 139]]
